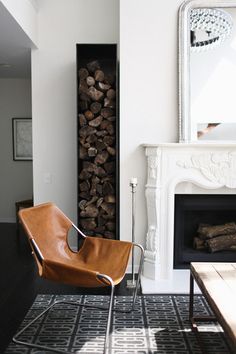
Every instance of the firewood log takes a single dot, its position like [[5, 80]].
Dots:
[[110, 198], [108, 234], [108, 189], [110, 226], [88, 115], [209, 231], [83, 105], [99, 189], [82, 204], [92, 151], [83, 153], [89, 166], [86, 130], [109, 167], [84, 174], [100, 172], [84, 186], [109, 140], [91, 139], [85, 195], [103, 87], [94, 94], [221, 243], [88, 223], [107, 112], [99, 201], [93, 66], [101, 220], [199, 244], [96, 121], [104, 124], [90, 81], [111, 119], [101, 158], [100, 229], [109, 209], [99, 75], [83, 89], [95, 107], [111, 128], [111, 94], [111, 151], [101, 133], [84, 143], [109, 79], [100, 145], [82, 120], [109, 103], [90, 211], [83, 73], [92, 200]]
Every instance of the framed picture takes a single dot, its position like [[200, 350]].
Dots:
[[22, 139]]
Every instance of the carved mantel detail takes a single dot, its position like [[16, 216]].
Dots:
[[152, 166], [216, 167]]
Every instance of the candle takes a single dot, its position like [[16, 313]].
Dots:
[[134, 180]]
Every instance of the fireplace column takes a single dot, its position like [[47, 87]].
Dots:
[[153, 200], [157, 250]]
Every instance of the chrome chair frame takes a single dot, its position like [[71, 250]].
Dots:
[[109, 308]]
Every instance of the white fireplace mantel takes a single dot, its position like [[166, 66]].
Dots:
[[210, 166]]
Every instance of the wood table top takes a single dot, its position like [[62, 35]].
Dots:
[[217, 282]]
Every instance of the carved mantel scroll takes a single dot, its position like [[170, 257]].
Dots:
[[210, 166], [216, 167]]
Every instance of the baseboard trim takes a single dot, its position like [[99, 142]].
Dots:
[[7, 220]]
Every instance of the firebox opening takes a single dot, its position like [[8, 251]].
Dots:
[[192, 211]]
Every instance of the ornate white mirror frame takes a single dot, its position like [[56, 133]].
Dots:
[[185, 123]]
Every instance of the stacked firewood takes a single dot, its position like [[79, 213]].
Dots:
[[97, 150], [216, 238]]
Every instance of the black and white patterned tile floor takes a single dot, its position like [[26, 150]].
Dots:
[[159, 325]]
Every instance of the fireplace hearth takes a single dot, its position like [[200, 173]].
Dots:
[[192, 213]]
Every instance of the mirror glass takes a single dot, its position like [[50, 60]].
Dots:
[[208, 72]]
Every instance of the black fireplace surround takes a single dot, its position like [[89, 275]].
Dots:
[[192, 210]]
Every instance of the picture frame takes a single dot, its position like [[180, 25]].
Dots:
[[22, 139]]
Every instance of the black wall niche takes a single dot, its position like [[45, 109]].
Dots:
[[98, 140]]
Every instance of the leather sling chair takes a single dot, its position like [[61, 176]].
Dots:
[[99, 262]]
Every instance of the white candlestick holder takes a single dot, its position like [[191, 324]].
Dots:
[[131, 283]]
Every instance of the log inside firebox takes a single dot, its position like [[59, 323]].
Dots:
[[209, 231], [215, 238], [221, 243]]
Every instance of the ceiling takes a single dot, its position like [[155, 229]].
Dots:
[[15, 48]]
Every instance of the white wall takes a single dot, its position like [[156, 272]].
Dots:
[[148, 94], [15, 176], [62, 24], [25, 14]]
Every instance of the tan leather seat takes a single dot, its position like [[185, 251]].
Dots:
[[99, 262], [48, 227]]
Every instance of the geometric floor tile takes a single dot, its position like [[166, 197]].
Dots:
[[159, 325]]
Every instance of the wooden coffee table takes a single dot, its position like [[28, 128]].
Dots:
[[217, 282]]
